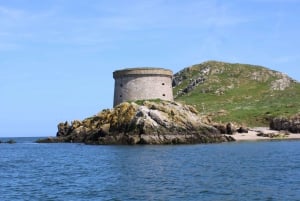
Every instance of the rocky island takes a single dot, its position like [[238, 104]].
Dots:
[[250, 97]]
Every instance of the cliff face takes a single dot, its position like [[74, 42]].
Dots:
[[149, 122]]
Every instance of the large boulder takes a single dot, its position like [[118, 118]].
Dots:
[[289, 124], [63, 129]]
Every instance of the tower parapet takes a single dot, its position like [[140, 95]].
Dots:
[[133, 84]]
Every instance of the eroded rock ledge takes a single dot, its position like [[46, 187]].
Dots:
[[149, 122]]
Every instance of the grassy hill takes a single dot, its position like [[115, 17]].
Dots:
[[241, 93]]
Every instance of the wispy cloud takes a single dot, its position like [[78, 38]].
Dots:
[[110, 22], [162, 14]]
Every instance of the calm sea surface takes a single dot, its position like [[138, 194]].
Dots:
[[230, 171]]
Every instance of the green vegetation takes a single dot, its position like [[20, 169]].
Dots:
[[245, 94]]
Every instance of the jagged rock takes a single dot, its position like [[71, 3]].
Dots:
[[282, 83], [289, 124], [193, 84], [76, 124], [221, 128], [229, 128], [63, 129], [200, 78], [151, 122]]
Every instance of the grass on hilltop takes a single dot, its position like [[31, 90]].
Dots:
[[239, 99]]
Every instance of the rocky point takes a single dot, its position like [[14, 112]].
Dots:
[[144, 122]]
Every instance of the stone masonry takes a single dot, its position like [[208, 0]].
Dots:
[[133, 84]]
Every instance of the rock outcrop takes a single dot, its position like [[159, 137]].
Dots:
[[150, 122], [179, 77], [10, 141], [288, 124]]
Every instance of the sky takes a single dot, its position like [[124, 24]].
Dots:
[[57, 56]]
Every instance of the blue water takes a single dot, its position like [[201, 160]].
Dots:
[[229, 171]]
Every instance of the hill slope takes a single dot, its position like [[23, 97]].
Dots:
[[241, 93]]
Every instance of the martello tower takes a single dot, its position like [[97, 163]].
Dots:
[[142, 83]]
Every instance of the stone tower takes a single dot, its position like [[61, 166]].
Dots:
[[142, 83]]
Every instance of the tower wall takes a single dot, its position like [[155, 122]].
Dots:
[[142, 83]]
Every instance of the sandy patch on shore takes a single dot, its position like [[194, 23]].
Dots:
[[264, 133]]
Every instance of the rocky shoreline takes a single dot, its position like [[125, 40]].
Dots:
[[164, 122], [149, 122], [265, 133]]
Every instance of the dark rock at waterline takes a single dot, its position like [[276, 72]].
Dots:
[[221, 128], [242, 130], [289, 124], [10, 141], [230, 129]]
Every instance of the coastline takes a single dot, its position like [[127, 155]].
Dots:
[[254, 134], [264, 133]]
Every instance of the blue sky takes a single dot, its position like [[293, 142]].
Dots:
[[57, 56]]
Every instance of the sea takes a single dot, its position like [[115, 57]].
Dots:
[[233, 171]]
